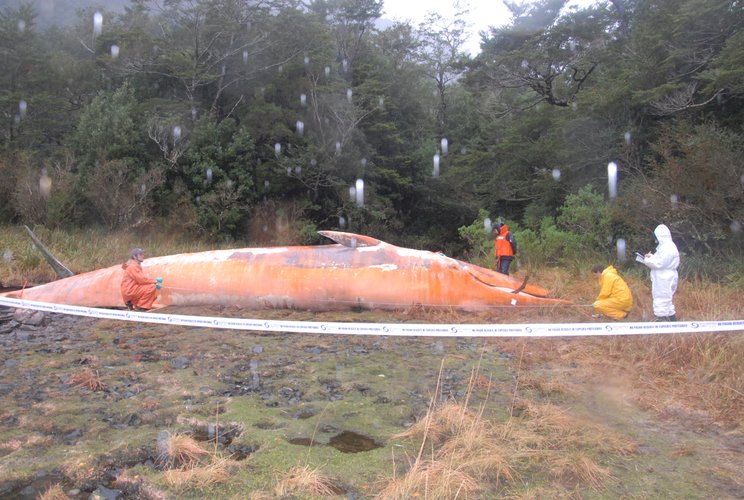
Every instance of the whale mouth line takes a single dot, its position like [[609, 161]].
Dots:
[[518, 290]]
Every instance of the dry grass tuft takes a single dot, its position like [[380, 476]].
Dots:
[[572, 469], [683, 451], [150, 404], [548, 427], [39, 440], [543, 386], [464, 454], [546, 419], [256, 495], [480, 452], [306, 481], [88, 379], [180, 450], [55, 492], [702, 372], [218, 470], [432, 479], [439, 425], [12, 445]]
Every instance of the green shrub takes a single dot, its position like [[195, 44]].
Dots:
[[578, 236], [479, 240]]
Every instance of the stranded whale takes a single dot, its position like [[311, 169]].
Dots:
[[356, 272]]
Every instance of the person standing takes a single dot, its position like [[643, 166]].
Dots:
[[663, 264], [615, 299], [505, 248], [138, 291]]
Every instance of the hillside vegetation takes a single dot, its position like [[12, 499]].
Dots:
[[265, 121]]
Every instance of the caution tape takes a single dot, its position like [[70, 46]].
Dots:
[[391, 329]]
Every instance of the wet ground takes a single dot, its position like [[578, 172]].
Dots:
[[88, 404]]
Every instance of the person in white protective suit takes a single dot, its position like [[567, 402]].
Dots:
[[663, 264]]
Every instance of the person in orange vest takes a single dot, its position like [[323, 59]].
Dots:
[[615, 299], [138, 291], [505, 247]]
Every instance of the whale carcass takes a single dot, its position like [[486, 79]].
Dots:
[[356, 272]]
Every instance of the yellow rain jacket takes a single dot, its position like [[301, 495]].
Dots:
[[614, 299]]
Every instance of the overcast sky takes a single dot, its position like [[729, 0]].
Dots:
[[483, 13]]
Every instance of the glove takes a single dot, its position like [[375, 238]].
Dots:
[[159, 280], [158, 286]]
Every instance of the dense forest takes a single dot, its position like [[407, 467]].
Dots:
[[265, 120]]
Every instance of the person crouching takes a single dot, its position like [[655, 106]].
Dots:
[[138, 291], [615, 299]]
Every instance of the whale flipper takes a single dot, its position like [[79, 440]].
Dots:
[[59, 268]]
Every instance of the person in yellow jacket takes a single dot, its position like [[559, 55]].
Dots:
[[615, 299]]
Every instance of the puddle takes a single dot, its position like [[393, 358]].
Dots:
[[269, 425], [351, 442], [344, 441], [303, 441]]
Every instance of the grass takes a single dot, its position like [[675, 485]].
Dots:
[[88, 379], [305, 480], [54, 492], [180, 451], [464, 452], [518, 428], [82, 250], [216, 470]]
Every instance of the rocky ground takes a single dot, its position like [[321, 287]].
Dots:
[[88, 405]]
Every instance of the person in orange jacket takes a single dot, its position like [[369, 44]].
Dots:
[[505, 248], [138, 291], [615, 299]]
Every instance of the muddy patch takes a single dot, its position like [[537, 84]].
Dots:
[[211, 385], [344, 441], [352, 442], [303, 441]]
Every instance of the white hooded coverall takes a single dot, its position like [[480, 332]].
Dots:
[[663, 264]]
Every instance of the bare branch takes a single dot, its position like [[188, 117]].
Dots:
[[86, 47], [681, 100]]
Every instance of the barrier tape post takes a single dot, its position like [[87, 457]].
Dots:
[[389, 329]]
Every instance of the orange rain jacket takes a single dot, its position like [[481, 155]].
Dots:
[[615, 299], [136, 287], [502, 247]]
